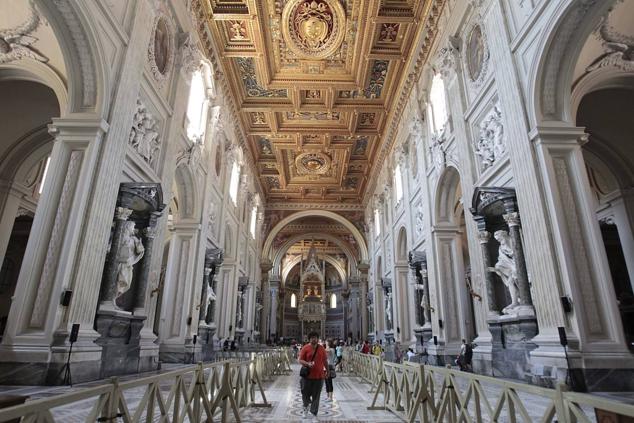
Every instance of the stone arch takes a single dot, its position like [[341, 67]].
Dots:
[[329, 259], [363, 249], [446, 192], [86, 66], [570, 25], [279, 254], [37, 72], [186, 191]]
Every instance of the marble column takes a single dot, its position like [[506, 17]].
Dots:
[[109, 286], [483, 238], [10, 199], [203, 306], [355, 312], [274, 286], [526, 302], [363, 269], [146, 265]]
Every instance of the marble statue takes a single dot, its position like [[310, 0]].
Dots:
[[388, 310], [240, 308], [131, 252], [506, 268]]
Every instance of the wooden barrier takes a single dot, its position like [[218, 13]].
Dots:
[[204, 392], [415, 392]]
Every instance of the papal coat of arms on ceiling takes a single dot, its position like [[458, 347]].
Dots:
[[313, 29]]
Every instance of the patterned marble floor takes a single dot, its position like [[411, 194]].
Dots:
[[351, 399], [283, 393]]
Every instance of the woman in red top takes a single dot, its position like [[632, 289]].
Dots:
[[314, 357]]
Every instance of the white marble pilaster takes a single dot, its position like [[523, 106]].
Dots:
[[51, 252], [595, 323]]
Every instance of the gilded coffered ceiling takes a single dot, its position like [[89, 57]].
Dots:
[[314, 82]]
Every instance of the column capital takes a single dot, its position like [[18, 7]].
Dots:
[[512, 219], [77, 128], [416, 258], [558, 133], [484, 237], [266, 265]]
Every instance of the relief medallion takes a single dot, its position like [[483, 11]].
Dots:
[[313, 163], [313, 29], [477, 53]]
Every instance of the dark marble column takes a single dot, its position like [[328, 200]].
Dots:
[[483, 238], [109, 285], [211, 307], [203, 306], [513, 221], [146, 264]]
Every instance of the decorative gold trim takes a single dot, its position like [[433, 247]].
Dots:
[[313, 29]]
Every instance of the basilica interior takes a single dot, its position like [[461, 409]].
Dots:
[[180, 175]]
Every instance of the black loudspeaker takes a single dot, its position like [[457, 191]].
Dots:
[[440, 323], [66, 296], [563, 339], [189, 321], [566, 304], [195, 339], [435, 340], [74, 332]]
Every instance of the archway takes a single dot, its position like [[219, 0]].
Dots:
[[363, 250], [454, 320], [25, 147], [609, 156], [561, 81]]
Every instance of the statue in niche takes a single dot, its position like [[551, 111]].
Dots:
[[388, 310], [130, 253], [506, 268], [240, 309]]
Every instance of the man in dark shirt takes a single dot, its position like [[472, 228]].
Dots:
[[311, 385]]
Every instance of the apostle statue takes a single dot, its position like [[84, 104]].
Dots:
[[130, 253], [388, 310], [506, 268]]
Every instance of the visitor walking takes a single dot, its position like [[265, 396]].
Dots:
[[339, 357], [366, 348], [398, 353], [313, 357], [330, 353], [465, 356]]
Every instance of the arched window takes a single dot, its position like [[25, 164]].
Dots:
[[233, 184], [377, 222], [197, 107], [398, 183], [333, 301], [437, 109], [293, 301], [254, 212]]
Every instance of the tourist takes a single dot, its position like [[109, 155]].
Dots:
[[465, 356], [330, 352], [366, 348], [377, 349], [339, 356], [410, 354], [398, 354], [314, 357]]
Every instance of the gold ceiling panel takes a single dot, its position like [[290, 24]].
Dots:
[[314, 81]]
